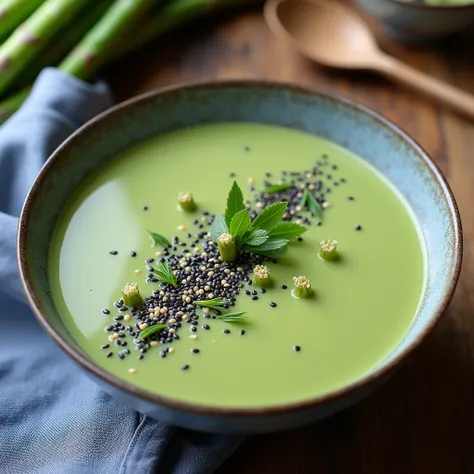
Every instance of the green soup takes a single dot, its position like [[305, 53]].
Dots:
[[362, 307]]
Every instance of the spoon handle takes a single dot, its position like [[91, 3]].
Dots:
[[450, 96]]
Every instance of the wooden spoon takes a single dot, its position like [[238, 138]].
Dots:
[[333, 35]]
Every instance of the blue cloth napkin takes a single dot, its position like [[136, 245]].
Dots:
[[52, 418]]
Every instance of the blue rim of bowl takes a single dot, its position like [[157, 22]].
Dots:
[[423, 6], [235, 411]]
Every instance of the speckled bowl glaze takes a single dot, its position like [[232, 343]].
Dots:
[[362, 131], [420, 23]]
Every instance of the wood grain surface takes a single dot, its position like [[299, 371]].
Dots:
[[422, 421]]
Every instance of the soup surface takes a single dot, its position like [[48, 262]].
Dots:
[[293, 349]]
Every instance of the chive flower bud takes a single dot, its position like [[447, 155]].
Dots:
[[261, 276], [328, 249], [186, 202], [302, 287], [227, 248], [131, 295]]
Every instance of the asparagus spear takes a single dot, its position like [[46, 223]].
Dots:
[[93, 50], [62, 43], [14, 12], [25, 42]]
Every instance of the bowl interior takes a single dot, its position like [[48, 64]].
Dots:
[[376, 140]]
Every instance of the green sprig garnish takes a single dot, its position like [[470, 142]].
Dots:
[[217, 304], [164, 274], [278, 188], [266, 235], [309, 201], [157, 239], [147, 332], [233, 317]]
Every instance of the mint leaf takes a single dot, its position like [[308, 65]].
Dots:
[[240, 223], [270, 216], [218, 227], [278, 188], [270, 244], [287, 230], [232, 317], [235, 202], [157, 239], [256, 237]]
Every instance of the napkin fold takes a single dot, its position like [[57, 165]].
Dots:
[[53, 419]]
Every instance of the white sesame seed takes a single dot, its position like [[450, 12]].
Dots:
[[189, 255], [299, 221], [132, 371], [188, 278], [259, 205], [203, 268], [200, 292], [188, 300], [127, 318], [154, 343], [112, 338], [172, 330], [311, 187], [184, 317], [137, 271], [227, 271], [232, 274], [170, 350], [165, 298], [182, 264], [180, 313], [210, 296], [223, 282], [309, 176], [188, 269], [197, 249], [204, 219], [302, 186], [226, 285], [298, 208], [163, 311], [172, 321], [250, 181], [204, 254], [159, 253], [206, 310], [240, 269], [217, 265], [181, 227], [210, 274], [326, 204], [162, 293], [150, 310], [207, 288], [143, 326], [193, 337]]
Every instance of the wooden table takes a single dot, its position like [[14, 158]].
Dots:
[[422, 421]]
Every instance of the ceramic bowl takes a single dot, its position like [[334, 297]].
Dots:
[[417, 22], [359, 129]]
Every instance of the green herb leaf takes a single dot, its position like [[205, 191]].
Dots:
[[309, 201], [255, 238], [235, 203], [164, 274], [314, 207], [270, 244], [151, 330], [218, 227], [239, 224], [287, 230], [219, 304], [304, 198], [270, 217], [232, 317], [278, 188], [157, 239]]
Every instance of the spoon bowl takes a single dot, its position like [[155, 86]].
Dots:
[[327, 33], [334, 35]]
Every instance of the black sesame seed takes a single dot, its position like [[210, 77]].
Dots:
[[195, 351], [242, 332], [226, 331], [273, 304], [144, 208], [121, 355], [351, 198], [254, 292], [106, 311], [254, 298], [109, 354], [105, 346], [140, 357], [185, 367], [246, 148], [247, 292], [119, 317], [300, 239], [193, 328], [206, 326], [263, 291], [283, 287], [296, 348], [149, 260], [232, 175], [113, 252], [133, 254], [358, 227]]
